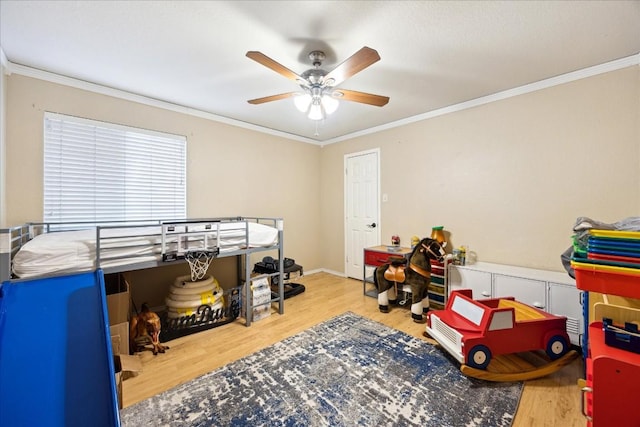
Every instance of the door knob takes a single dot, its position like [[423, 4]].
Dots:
[[372, 225]]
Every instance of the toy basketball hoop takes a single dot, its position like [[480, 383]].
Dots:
[[199, 262]]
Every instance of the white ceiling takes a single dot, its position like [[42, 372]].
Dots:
[[434, 54]]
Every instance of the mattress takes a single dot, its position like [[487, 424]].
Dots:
[[63, 252]]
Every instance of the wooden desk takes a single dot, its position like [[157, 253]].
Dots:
[[376, 256]]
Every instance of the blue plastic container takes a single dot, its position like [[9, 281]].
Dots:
[[626, 337], [56, 362]]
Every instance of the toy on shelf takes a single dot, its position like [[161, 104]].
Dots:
[[476, 331], [437, 234]]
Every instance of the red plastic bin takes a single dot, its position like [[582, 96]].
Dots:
[[607, 279]]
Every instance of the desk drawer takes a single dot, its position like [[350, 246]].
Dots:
[[378, 258]]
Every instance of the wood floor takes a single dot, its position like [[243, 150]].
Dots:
[[549, 401]]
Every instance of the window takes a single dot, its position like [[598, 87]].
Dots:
[[96, 171]]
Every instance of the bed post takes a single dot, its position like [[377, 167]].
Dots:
[[248, 302], [5, 256], [280, 227], [7, 244]]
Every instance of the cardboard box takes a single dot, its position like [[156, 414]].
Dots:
[[125, 366], [118, 297], [118, 300], [120, 338]]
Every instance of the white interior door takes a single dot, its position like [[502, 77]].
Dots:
[[362, 206]]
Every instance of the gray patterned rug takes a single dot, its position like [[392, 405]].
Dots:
[[347, 371]]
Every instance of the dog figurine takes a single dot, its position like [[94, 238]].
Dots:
[[145, 329]]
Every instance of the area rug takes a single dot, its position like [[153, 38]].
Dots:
[[347, 371]]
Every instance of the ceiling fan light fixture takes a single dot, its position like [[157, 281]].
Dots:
[[302, 102], [315, 111], [330, 104], [316, 104]]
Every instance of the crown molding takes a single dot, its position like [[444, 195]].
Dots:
[[129, 96], [509, 93], [606, 67]]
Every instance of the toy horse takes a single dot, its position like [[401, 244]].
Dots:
[[417, 274]]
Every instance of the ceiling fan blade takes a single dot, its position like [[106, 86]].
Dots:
[[362, 97], [354, 64], [271, 98], [275, 66]]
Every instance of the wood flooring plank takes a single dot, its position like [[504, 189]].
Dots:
[[550, 401]]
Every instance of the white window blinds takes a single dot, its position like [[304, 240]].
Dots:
[[96, 171]]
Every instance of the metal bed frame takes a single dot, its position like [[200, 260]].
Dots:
[[176, 238]]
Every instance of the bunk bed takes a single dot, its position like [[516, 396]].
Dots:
[[36, 250], [52, 285]]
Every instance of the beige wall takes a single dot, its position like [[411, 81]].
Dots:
[[508, 178], [231, 171]]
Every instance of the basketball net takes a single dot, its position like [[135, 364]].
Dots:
[[199, 263]]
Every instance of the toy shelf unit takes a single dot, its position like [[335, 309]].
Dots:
[[437, 289], [611, 271], [612, 383], [374, 257], [551, 291], [269, 266]]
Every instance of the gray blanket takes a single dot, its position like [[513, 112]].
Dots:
[[581, 229]]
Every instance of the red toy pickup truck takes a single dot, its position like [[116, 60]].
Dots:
[[473, 331]]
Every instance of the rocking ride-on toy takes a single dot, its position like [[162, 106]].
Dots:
[[491, 337]]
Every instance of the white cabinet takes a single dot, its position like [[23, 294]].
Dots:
[[552, 291], [528, 291], [566, 300], [463, 278]]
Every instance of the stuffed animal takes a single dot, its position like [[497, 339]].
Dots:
[[145, 329]]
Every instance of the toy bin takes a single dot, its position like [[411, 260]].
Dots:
[[625, 337], [607, 279]]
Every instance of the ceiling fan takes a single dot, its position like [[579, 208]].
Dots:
[[320, 95]]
